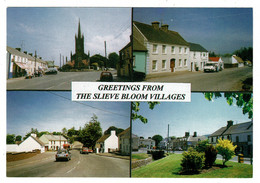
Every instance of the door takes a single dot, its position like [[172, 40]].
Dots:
[[172, 65]]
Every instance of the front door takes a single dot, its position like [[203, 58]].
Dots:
[[172, 65]]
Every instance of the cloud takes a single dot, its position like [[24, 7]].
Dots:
[[26, 28]]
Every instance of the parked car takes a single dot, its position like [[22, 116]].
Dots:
[[51, 71], [210, 67], [63, 154], [84, 150], [106, 76]]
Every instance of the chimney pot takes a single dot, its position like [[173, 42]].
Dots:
[[165, 27], [155, 25]]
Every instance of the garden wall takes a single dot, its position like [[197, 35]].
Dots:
[[142, 162], [21, 155]]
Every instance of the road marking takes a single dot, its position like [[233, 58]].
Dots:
[[71, 170]]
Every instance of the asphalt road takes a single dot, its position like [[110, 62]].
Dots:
[[60, 81], [226, 80], [80, 165]]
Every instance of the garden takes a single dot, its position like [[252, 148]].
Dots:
[[198, 162]]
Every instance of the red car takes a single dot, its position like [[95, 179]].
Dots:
[[106, 76], [84, 150]]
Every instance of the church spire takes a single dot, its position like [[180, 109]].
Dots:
[[79, 31]]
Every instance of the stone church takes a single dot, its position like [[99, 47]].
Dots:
[[79, 60]]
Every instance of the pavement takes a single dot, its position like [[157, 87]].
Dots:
[[113, 155]]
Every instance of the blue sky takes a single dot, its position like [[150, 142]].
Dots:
[[51, 111], [199, 115], [222, 30], [51, 31]]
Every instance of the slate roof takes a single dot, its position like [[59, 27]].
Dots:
[[196, 139], [38, 140], [234, 129], [55, 137], [124, 132], [160, 36], [138, 46], [103, 138], [197, 47]]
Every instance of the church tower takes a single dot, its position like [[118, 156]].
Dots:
[[79, 47]]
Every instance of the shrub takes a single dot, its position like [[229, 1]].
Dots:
[[210, 155], [192, 161], [157, 154], [202, 145], [226, 149]]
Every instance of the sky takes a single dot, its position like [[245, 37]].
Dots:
[[51, 31], [51, 111], [222, 30], [199, 115]]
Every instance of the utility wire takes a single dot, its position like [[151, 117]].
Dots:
[[89, 105]]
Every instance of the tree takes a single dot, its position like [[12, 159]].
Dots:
[[226, 149], [98, 59], [10, 139], [18, 138], [64, 131], [136, 109], [91, 132], [111, 128], [33, 131], [245, 53], [113, 59], [242, 100], [157, 139]]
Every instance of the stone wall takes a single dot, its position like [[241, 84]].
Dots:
[[139, 163]]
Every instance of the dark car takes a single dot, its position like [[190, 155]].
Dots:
[[106, 76], [63, 154], [51, 71]]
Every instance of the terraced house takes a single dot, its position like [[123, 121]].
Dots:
[[167, 51]]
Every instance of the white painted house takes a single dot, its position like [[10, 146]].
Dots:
[[30, 144], [167, 51], [107, 143], [53, 142], [199, 56]]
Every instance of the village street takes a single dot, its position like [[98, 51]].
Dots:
[[226, 80], [60, 81], [80, 165]]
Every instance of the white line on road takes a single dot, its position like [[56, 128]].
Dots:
[[73, 168]]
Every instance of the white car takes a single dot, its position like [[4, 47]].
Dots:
[[210, 67]]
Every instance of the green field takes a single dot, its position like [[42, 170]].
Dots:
[[140, 156], [170, 167]]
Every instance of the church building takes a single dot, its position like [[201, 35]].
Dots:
[[79, 60]]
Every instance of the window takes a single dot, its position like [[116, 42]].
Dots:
[[154, 48], [164, 64], [173, 50], [180, 49], [154, 65], [237, 138], [185, 62], [194, 55], [185, 50], [163, 49], [180, 63], [133, 61], [249, 138]]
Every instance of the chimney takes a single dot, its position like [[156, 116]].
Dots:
[[25, 52], [187, 134], [33, 135], [113, 132], [149, 137], [31, 54], [19, 49], [229, 123], [155, 25], [165, 27], [195, 134]]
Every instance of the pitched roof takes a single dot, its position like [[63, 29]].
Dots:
[[196, 139], [38, 140], [238, 59], [138, 46], [197, 47], [54, 137], [124, 132], [160, 36], [240, 128], [215, 59], [103, 138]]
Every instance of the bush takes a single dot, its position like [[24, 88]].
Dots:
[[226, 149], [157, 154], [202, 145], [210, 155], [192, 161]]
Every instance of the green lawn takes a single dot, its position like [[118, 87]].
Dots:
[[169, 167], [140, 156]]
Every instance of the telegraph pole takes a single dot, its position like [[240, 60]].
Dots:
[[105, 53], [168, 140], [60, 61], [35, 55]]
